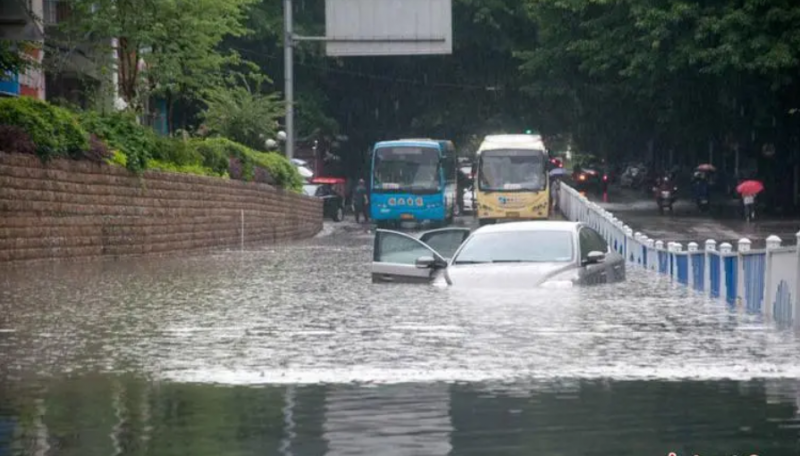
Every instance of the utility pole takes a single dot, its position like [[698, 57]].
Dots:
[[288, 75], [349, 36]]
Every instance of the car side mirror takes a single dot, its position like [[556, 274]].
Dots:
[[594, 257], [429, 262], [425, 262]]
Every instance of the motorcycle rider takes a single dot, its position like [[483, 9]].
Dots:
[[665, 184]]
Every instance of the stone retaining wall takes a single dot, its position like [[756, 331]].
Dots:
[[69, 209]]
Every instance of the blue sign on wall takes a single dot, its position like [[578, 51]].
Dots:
[[9, 85]]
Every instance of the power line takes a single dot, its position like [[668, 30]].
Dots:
[[374, 76]]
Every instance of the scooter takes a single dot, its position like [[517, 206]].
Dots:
[[702, 200], [665, 197]]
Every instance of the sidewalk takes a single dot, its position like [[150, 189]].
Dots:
[[687, 224]]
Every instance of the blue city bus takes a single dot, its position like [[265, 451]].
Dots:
[[413, 180]]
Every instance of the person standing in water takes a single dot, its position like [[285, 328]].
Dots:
[[361, 201]]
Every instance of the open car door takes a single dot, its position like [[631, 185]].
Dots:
[[395, 255], [445, 241]]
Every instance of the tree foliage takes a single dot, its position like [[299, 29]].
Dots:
[[176, 39], [610, 77], [11, 59], [676, 72], [243, 112]]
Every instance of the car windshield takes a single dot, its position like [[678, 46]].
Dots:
[[512, 170], [310, 190], [406, 169], [518, 247]]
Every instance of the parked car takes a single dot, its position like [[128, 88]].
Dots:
[[509, 255], [332, 202]]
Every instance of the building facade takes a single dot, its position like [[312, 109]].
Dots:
[[21, 24]]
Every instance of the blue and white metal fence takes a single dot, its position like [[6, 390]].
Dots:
[[765, 281]]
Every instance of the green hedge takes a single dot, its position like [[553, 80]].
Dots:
[[55, 131], [197, 170], [217, 152], [122, 132]]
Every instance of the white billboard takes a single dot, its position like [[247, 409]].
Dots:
[[388, 27]]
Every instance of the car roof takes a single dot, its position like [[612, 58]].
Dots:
[[503, 141], [408, 143], [536, 225]]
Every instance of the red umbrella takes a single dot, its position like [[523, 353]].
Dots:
[[750, 187], [706, 167]]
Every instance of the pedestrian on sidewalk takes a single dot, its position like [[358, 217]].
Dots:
[[555, 188], [361, 201]]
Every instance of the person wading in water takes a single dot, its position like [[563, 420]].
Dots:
[[361, 201]]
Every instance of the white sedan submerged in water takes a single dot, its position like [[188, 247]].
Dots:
[[508, 255]]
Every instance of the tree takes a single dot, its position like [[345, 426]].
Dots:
[[242, 111], [176, 39], [11, 59]]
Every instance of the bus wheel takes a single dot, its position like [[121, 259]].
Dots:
[[483, 222]]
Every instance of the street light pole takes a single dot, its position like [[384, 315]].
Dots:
[[288, 75]]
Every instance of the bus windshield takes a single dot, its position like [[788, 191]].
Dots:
[[406, 169], [512, 170]]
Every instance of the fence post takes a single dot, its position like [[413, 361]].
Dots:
[[796, 309], [628, 237], [692, 248], [639, 247], [711, 248], [743, 246], [677, 248], [773, 242], [651, 256], [659, 249], [724, 248]]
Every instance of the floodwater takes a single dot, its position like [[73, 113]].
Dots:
[[292, 350]]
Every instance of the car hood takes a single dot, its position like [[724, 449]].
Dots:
[[505, 275]]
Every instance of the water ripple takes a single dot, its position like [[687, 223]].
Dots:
[[307, 313]]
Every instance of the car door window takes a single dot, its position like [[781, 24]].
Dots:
[[598, 241], [399, 248], [445, 241], [591, 241]]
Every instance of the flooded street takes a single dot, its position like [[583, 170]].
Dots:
[[292, 350]]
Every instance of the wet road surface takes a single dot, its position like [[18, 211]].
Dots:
[[687, 224], [292, 350]]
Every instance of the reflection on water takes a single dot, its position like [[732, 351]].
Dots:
[[292, 350], [102, 415]]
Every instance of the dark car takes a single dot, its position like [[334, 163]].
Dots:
[[332, 202], [591, 177]]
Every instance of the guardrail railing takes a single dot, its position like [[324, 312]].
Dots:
[[760, 281]]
